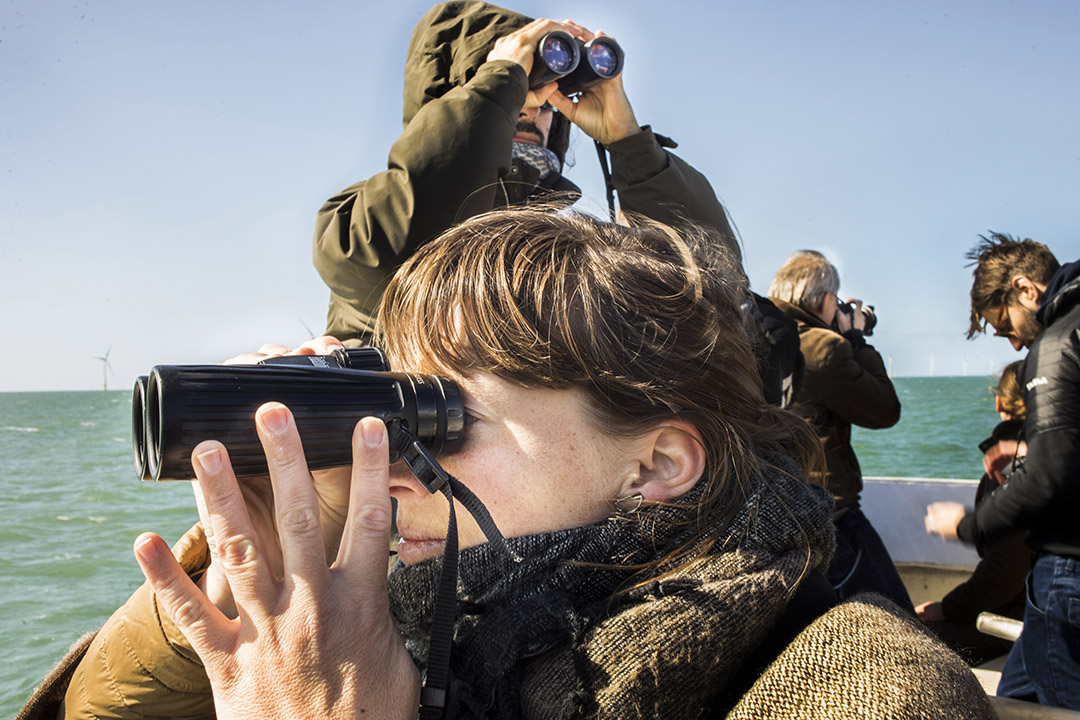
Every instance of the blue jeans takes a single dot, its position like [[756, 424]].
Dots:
[[1044, 664], [862, 563]]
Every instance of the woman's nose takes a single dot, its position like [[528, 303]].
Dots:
[[401, 477]]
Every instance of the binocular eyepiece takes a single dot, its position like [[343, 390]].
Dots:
[[574, 64], [176, 407]]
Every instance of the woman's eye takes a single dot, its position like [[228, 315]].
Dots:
[[470, 419]]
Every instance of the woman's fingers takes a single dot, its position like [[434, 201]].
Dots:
[[230, 531], [366, 543], [205, 627], [295, 502], [318, 346]]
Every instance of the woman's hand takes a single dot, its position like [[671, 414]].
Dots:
[[331, 490], [316, 346], [314, 641], [602, 111], [943, 518]]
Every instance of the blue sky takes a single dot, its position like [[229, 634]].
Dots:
[[161, 164]]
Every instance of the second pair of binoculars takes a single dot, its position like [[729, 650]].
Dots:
[[574, 63], [176, 407]]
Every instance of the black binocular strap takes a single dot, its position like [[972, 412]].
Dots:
[[433, 694], [609, 186]]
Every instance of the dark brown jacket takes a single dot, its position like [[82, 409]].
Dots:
[[844, 384], [453, 161]]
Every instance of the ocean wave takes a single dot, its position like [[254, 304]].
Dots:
[[12, 428]]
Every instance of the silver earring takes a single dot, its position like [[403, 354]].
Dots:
[[629, 503]]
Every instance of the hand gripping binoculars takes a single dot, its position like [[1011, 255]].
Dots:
[[176, 407], [574, 64]]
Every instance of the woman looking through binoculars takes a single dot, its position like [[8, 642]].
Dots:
[[616, 433]]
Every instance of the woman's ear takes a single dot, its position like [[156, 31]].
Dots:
[[670, 461]]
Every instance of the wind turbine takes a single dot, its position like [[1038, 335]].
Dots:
[[311, 335], [105, 368]]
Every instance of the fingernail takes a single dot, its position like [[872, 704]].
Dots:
[[373, 432], [275, 419], [210, 461], [144, 547]]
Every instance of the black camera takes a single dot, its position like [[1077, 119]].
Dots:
[[574, 64], [868, 314], [176, 407]]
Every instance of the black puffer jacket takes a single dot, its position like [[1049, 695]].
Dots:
[[1043, 496]]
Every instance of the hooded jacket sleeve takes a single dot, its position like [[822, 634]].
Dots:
[[660, 185], [443, 169], [139, 665]]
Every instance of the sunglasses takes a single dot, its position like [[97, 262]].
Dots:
[[1003, 327]]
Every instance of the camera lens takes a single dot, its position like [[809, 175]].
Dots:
[[558, 52], [603, 58]]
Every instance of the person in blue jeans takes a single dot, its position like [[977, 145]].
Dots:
[[1022, 292]]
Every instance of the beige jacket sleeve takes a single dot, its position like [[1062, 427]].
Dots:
[[139, 665]]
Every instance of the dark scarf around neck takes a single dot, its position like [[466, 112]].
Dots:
[[553, 635]]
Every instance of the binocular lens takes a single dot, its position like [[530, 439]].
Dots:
[[603, 58], [558, 52], [559, 59], [138, 428]]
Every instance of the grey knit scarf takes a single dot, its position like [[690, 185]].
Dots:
[[542, 160], [552, 636]]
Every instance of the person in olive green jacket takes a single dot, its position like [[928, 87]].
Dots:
[[845, 383], [477, 138]]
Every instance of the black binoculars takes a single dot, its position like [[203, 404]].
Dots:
[[574, 64], [176, 407]]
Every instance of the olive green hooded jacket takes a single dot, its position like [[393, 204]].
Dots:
[[453, 161]]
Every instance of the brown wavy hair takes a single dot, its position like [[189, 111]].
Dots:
[[646, 322], [998, 258]]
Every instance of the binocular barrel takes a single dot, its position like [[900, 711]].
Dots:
[[574, 64], [182, 405]]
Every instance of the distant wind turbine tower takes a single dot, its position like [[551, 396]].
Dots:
[[311, 334], [105, 368]]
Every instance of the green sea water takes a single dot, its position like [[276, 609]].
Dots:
[[71, 505]]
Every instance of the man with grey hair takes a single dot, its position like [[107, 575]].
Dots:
[[845, 383]]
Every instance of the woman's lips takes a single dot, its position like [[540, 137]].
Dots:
[[415, 549]]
